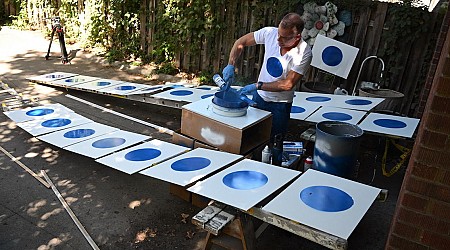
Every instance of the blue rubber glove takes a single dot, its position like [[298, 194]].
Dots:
[[228, 74], [248, 89]]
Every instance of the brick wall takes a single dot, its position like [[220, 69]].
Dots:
[[422, 216]]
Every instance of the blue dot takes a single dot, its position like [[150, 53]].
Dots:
[[245, 180], [54, 123], [39, 112], [326, 199], [143, 154], [190, 164], [177, 86], [108, 142], [181, 92], [102, 83], [204, 88], [126, 87], [318, 99], [206, 96], [332, 56], [74, 80], [274, 67], [79, 133], [336, 116], [358, 102], [54, 76], [297, 109], [389, 123]]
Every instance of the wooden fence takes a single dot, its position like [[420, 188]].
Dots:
[[365, 33]]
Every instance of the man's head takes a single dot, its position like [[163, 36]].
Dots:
[[289, 30]]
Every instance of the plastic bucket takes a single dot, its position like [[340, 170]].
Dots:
[[336, 148]]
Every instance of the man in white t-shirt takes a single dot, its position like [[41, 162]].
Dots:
[[286, 60]]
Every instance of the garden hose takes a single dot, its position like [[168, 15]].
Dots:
[[406, 152]]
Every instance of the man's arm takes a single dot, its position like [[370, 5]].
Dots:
[[238, 47], [283, 85]]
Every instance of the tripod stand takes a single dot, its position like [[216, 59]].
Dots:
[[57, 27]]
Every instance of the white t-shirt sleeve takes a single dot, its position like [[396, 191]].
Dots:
[[260, 35], [303, 67]]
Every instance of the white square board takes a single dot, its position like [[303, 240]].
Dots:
[[390, 124], [47, 78], [69, 136], [203, 107], [43, 126], [106, 144], [137, 158], [244, 184], [356, 102], [73, 80], [326, 202], [336, 114], [123, 88], [38, 112], [300, 111], [97, 84], [191, 166], [333, 56], [317, 99], [149, 89], [184, 94]]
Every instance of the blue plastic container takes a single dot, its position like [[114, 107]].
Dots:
[[336, 148]]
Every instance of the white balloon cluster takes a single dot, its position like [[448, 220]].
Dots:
[[321, 20]]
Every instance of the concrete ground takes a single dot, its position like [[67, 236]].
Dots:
[[115, 207]]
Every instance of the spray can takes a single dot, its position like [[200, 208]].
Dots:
[[308, 163], [219, 81], [265, 156], [277, 150]]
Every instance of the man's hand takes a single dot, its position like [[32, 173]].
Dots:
[[248, 89], [228, 74]]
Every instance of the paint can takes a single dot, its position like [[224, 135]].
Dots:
[[336, 148]]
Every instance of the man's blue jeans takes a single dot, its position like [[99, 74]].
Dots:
[[281, 112]]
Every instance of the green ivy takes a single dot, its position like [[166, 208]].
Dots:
[[408, 23]]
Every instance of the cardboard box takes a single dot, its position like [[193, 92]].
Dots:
[[199, 122], [183, 140], [180, 192], [198, 144]]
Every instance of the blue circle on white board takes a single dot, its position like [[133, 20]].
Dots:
[[181, 92], [190, 164], [177, 86], [358, 102], [143, 154], [79, 133], [102, 83], [54, 123], [54, 76], [125, 87], [318, 99], [39, 112], [245, 180], [326, 199], [297, 109], [274, 67], [108, 142], [204, 88], [389, 123], [206, 96], [337, 116], [74, 80], [332, 56]]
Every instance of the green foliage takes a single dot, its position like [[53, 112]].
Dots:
[[408, 23], [167, 68]]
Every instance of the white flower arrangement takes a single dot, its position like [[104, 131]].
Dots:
[[321, 20]]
